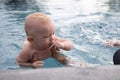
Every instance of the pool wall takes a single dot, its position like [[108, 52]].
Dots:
[[66, 73]]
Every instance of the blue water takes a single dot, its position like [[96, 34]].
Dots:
[[85, 22]]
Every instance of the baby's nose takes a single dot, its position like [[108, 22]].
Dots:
[[50, 42], [51, 39]]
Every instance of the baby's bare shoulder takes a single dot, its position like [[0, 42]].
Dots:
[[26, 50], [25, 54]]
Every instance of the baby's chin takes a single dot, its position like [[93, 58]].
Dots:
[[44, 47]]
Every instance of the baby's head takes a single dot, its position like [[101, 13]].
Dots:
[[39, 29]]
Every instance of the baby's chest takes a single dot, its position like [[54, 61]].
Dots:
[[41, 55]]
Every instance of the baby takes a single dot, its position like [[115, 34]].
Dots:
[[41, 42]]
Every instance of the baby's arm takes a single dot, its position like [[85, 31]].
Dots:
[[57, 44], [67, 44], [113, 42], [57, 55], [23, 60], [62, 44], [36, 64]]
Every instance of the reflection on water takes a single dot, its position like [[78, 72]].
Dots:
[[87, 23]]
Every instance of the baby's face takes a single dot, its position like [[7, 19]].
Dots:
[[44, 34]]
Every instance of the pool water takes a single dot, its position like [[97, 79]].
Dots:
[[86, 23]]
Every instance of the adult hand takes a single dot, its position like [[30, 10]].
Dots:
[[112, 43]]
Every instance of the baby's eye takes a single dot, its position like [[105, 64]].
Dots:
[[46, 36]]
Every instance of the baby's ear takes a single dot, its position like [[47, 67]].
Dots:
[[30, 38]]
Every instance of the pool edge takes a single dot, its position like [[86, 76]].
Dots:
[[65, 73]]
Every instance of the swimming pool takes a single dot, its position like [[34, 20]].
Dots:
[[86, 23]]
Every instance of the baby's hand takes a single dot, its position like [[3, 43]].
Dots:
[[37, 64], [57, 45]]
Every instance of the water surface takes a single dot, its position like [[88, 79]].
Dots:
[[86, 23]]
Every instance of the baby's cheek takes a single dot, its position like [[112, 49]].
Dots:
[[46, 43]]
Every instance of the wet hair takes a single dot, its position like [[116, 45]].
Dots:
[[29, 26], [116, 57]]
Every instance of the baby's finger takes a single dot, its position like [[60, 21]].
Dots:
[[58, 49], [39, 62], [52, 46], [41, 65]]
